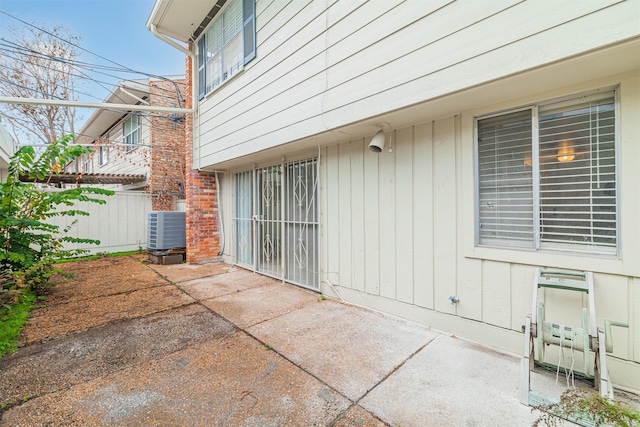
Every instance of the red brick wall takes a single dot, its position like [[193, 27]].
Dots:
[[167, 175], [203, 242]]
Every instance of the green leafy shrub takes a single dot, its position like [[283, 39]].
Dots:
[[29, 245]]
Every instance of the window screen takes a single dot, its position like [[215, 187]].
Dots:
[[578, 175], [550, 182], [131, 132], [505, 180], [227, 45]]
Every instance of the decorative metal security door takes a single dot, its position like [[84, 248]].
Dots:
[[268, 220], [301, 223], [244, 219], [277, 221]]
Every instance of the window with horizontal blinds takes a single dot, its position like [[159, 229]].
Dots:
[[567, 200], [227, 45], [578, 176], [505, 186]]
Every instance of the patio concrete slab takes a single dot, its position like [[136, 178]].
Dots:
[[256, 305], [224, 284], [178, 273], [356, 416], [455, 383], [80, 315], [105, 350], [166, 358], [202, 385], [349, 348]]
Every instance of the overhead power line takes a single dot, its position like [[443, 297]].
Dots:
[[94, 68]]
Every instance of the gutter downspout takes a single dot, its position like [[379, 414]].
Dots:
[[194, 79], [194, 65], [187, 52]]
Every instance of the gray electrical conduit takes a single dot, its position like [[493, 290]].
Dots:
[[220, 221]]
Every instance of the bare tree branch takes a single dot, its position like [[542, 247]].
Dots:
[[39, 64]]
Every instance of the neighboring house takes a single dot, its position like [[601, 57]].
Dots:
[[7, 149], [509, 140], [137, 151]]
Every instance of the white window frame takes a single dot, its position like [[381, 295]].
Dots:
[[131, 139], [536, 180], [247, 35], [103, 155]]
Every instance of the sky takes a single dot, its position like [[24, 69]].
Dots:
[[114, 29]]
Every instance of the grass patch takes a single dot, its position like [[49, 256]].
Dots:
[[100, 255], [12, 318]]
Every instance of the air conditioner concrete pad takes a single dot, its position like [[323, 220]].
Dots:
[[166, 259]]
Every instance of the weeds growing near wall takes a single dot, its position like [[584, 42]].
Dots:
[[587, 407]]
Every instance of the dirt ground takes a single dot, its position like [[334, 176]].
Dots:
[[89, 309], [102, 291]]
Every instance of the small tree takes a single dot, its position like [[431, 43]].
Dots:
[[39, 63], [29, 245]]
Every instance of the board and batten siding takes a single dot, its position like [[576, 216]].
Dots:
[[390, 226], [392, 241], [321, 65], [398, 235]]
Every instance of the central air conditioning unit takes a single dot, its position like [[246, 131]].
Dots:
[[167, 230]]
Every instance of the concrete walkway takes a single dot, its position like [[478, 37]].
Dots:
[[246, 350]]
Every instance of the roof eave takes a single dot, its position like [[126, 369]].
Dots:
[[179, 19]]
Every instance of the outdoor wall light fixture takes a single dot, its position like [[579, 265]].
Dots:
[[377, 142], [566, 152]]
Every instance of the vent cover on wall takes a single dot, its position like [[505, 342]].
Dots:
[[167, 230]]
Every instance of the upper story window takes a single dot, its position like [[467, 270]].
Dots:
[[547, 177], [103, 155], [131, 132], [227, 45], [86, 165]]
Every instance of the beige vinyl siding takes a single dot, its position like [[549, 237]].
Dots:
[[320, 67], [121, 161]]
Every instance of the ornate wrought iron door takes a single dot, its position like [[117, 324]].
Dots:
[[301, 223], [277, 221], [268, 219], [244, 219]]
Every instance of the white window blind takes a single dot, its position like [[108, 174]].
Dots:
[[505, 180], [550, 183], [227, 45], [578, 175]]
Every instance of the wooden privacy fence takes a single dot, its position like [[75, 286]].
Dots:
[[120, 224]]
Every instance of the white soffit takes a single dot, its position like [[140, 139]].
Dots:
[[179, 18], [103, 119]]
